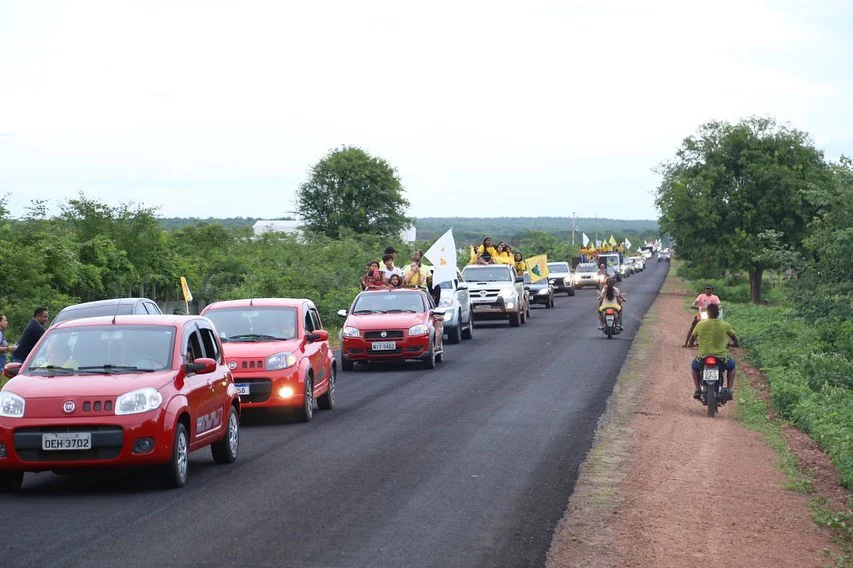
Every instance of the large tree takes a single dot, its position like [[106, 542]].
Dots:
[[350, 189], [729, 183]]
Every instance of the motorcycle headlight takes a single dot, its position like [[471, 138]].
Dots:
[[140, 400], [349, 331], [280, 361], [703, 315], [11, 405], [420, 329]]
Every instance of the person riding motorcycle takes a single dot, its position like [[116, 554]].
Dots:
[[610, 297], [713, 335], [701, 303]]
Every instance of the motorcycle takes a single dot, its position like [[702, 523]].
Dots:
[[610, 326], [711, 384]]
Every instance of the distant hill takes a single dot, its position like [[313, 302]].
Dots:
[[174, 223], [508, 228]]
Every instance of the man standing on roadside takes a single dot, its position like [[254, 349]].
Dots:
[[31, 335], [4, 343]]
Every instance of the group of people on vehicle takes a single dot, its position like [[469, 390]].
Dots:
[[501, 253], [387, 275]]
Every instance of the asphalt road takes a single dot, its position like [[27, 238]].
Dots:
[[470, 464]]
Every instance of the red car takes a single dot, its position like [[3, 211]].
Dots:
[[391, 325], [119, 391], [278, 352]]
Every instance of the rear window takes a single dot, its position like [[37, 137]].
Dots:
[[93, 312], [487, 274], [558, 267]]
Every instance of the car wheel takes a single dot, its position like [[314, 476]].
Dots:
[[515, 319], [306, 410], [570, 291], [468, 332], [347, 364], [454, 334], [10, 481], [524, 315], [429, 362], [225, 450], [327, 401], [174, 474]]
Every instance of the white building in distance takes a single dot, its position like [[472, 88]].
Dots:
[[291, 227]]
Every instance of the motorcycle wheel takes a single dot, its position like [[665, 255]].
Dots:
[[609, 331], [712, 401]]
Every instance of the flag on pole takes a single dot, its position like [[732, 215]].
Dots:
[[537, 267], [188, 296], [442, 254], [628, 244], [585, 240], [612, 241]]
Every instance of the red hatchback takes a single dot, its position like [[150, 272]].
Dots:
[[119, 391], [391, 325], [278, 352]]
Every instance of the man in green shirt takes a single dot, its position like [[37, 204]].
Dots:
[[713, 336]]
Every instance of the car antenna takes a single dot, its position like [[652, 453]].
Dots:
[[118, 304]]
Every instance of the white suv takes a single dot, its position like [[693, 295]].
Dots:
[[496, 292]]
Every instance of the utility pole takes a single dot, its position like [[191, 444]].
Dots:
[[574, 226]]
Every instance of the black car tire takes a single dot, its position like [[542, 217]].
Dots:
[[429, 362], [327, 401], [468, 332], [306, 411], [570, 291], [515, 319], [454, 334], [175, 473], [225, 450]]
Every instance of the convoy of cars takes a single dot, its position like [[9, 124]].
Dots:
[[147, 389]]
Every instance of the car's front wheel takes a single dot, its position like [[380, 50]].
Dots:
[[306, 412], [225, 450], [468, 332], [454, 334], [327, 401], [174, 474]]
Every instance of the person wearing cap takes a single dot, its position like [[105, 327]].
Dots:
[[701, 303]]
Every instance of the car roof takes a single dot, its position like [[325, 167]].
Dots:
[[395, 290], [137, 319], [260, 302], [109, 302]]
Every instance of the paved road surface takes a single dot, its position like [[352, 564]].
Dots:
[[470, 464]]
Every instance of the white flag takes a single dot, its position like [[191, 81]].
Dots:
[[585, 240], [627, 244], [442, 254]]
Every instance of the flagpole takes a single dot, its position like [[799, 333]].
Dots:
[[574, 226]]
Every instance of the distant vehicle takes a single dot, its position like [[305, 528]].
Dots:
[[458, 316], [112, 307], [497, 292], [664, 255], [278, 352], [626, 269], [391, 325], [638, 263], [613, 264], [119, 392], [541, 291], [586, 275], [560, 276]]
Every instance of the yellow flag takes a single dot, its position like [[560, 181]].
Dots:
[[612, 241], [188, 296], [537, 267]]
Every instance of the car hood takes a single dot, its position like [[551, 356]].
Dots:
[[540, 285], [64, 386], [385, 321], [559, 274], [238, 350], [479, 285]]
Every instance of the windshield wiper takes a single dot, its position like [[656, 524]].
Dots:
[[109, 368], [255, 337], [398, 311], [58, 369]]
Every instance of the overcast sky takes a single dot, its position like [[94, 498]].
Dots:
[[485, 108]]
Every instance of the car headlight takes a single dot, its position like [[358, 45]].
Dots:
[[445, 302], [348, 331], [280, 361], [420, 329], [543, 292], [508, 295], [140, 400], [11, 405]]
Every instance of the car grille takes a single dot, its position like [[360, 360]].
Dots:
[[106, 444], [260, 390], [485, 295], [389, 334]]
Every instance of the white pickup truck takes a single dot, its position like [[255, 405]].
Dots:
[[497, 292]]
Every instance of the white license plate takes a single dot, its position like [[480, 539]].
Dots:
[[486, 309], [610, 320], [244, 389], [67, 441], [710, 376], [384, 346]]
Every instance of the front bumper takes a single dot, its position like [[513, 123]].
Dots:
[[361, 349], [112, 441], [271, 389]]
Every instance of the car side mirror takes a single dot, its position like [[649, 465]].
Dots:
[[437, 311], [526, 287], [462, 286], [11, 370], [201, 366], [519, 278], [342, 313], [319, 335]]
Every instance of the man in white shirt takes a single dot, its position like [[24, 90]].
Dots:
[[389, 268]]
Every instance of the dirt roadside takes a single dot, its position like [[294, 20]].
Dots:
[[664, 485]]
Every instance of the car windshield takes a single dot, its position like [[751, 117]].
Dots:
[[586, 268], [487, 274], [558, 267], [112, 349], [254, 323], [388, 303], [539, 282]]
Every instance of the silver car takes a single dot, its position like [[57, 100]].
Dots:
[[560, 277], [458, 316]]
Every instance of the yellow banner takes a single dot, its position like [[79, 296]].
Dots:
[[188, 296]]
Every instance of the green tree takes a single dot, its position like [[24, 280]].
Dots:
[[731, 182], [350, 189]]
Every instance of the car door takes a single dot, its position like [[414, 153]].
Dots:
[[312, 349], [217, 380], [321, 363], [462, 298], [198, 389]]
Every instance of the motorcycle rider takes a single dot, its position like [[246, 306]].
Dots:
[[610, 297], [713, 335], [701, 302]]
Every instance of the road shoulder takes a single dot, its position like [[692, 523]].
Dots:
[[664, 485]]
